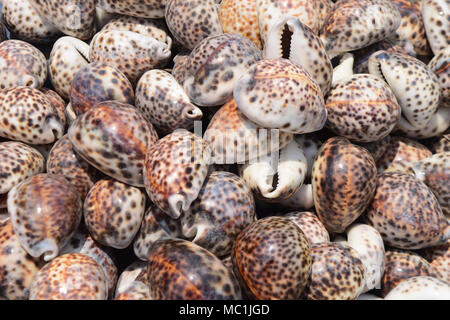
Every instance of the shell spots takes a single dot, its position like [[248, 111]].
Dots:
[[437, 23], [139, 8], [311, 226], [420, 288]]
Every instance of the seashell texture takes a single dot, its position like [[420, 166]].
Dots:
[[235, 139], [29, 116], [72, 276], [343, 181], [45, 212], [156, 225], [133, 51], [82, 242], [289, 38], [224, 207], [240, 17], [181, 270], [440, 65], [439, 259], [442, 144], [420, 288], [139, 8], [274, 177], [362, 108], [17, 267], [18, 162], [136, 291], [369, 246], [276, 93], [411, 31], [336, 273], [323, 9], [272, 260], [135, 272], [164, 103], [416, 88], [355, 24], [67, 57], [180, 65], [401, 265], [377, 148], [113, 213], [434, 171], [99, 82], [437, 23], [114, 138], [314, 230], [24, 21], [406, 213], [269, 12], [175, 169], [191, 21], [63, 160], [401, 154], [215, 66], [21, 64], [58, 103]]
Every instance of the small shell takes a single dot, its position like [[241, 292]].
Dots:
[[215, 66], [18, 162], [279, 94], [73, 276], [24, 21], [235, 139], [369, 246], [436, 18], [136, 291], [82, 242], [181, 270], [272, 259], [139, 8], [240, 17], [156, 225], [355, 24], [68, 55], [440, 65], [21, 64], [164, 103], [63, 160], [99, 82], [344, 182], [17, 267], [113, 213], [29, 116], [311, 226], [420, 288], [135, 272], [442, 144], [274, 177], [180, 66], [406, 213], [45, 211], [401, 265], [290, 38], [174, 171], [336, 273], [114, 137], [439, 258], [191, 21], [223, 208], [362, 108]]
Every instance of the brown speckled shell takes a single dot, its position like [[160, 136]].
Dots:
[[439, 258], [336, 274], [442, 144], [311, 226], [17, 268], [72, 276], [18, 162], [135, 291], [272, 259], [191, 21], [113, 212], [181, 270], [175, 169], [440, 65], [21, 64], [344, 182], [45, 212], [406, 212], [223, 208], [420, 288], [401, 265], [99, 82], [114, 137], [139, 8], [436, 18]]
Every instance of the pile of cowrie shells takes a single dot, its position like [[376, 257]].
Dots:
[[234, 149]]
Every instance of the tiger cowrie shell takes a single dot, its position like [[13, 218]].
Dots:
[[139, 8], [311, 226], [420, 288], [436, 18]]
